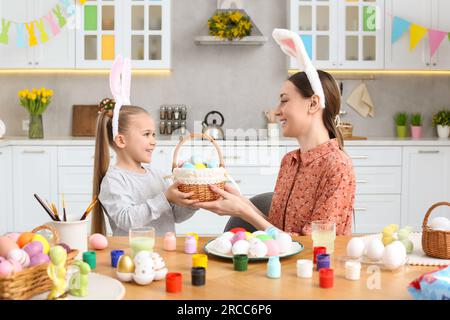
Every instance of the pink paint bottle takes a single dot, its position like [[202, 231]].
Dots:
[[170, 241], [190, 245]]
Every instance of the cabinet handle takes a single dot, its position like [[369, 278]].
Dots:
[[111, 157], [429, 151], [161, 151], [428, 64], [360, 209], [362, 181], [359, 157], [34, 151], [36, 63], [234, 157], [238, 181], [435, 64], [30, 63]]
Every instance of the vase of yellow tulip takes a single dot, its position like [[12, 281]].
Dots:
[[36, 102]]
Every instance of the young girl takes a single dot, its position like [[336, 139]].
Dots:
[[315, 182], [133, 195]]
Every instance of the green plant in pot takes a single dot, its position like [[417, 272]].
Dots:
[[401, 119], [441, 120], [416, 125]]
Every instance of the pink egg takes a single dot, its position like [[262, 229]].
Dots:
[[13, 236], [33, 248], [240, 235], [98, 241], [6, 245], [17, 267], [272, 248], [39, 258], [6, 268], [2, 259]]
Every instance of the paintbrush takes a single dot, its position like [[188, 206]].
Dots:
[[64, 208], [46, 208], [89, 208], [55, 211]]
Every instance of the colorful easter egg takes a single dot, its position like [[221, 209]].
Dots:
[[264, 237], [272, 248], [188, 165], [199, 165], [234, 230], [240, 247], [45, 244], [98, 241], [238, 236], [7, 245]]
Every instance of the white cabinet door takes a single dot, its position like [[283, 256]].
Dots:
[[426, 180], [35, 171], [6, 182], [13, 56], [441, 22], [398, 55], [59, 50]]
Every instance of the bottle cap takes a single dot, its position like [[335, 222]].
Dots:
[[173, 282], [198, 276], [304, 268], [326, 278], [90, 257], [200, 260], [115, 255], [323, 261], [240, 262], [319, 250]]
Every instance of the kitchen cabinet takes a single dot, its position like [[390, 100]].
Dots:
[[6, 183], [426, 180], [139, 29], [440, 21], [57, 52], [35, 171], [340, 34]]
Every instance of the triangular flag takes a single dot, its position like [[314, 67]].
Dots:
[[416, 35], [399, 27], [449, 36], [436, 38]]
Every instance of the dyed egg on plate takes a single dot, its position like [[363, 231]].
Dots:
[[237, 229], [375, 249], [240, 247], [240, 235], [227, 235], [272, 248], [257, 249], [222, 245], [125, 268], [98, 241], [264, 237], [6, 245], [259, 232], [394, 255], [355, 248], [284, 242]]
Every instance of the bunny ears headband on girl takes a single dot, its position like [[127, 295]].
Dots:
[[119, 82], [292, 45]]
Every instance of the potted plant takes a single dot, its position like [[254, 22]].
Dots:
[[400, 120], [36, 102], [416, 125], [441, 120]]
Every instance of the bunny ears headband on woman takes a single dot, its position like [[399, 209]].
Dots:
[[292, 45], [119, 82]]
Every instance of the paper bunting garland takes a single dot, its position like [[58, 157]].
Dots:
[[38, 31], [416, 34]]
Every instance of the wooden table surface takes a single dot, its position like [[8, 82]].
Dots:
[[222, 282]]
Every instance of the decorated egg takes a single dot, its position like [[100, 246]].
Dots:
[[284, 242], [143, 276], [237, 229], [98, 241], [227, 235], [14, 236], [264, 237], [240, 247], [20, 256], [43, 240], [258, 249], [143, 259], [6, 268], [355, 248], [240, 235], [6, 245], [188, 165], [394, 255], [272, 248], [212, 164], [39, 258], [160, 274], [222, 245], [375, 249], [440, 223], [158, 262], [248, 235], [25, 238], [125, 268], [34, 248], [200, 166]]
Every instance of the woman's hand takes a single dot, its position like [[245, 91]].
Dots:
[[231, 202], [177, 197]]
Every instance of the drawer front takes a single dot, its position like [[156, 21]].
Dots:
[[253, 181], [374, 212], [378, 180], [79, 156], [374, 156], [75, 180]]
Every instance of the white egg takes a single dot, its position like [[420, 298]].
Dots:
[[143, 257], [440, 223], [375, 249], [355, 248], [20, 256], [222, 245], [257, 249], [160, 274], [227, 235], [240, 247], [124, 276], [284, 241], [394, 255], [143, 276]]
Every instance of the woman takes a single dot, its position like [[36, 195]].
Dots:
[[315, 182]]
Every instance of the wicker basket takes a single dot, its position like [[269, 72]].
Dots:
[[31, 281], [202, 192], [435, 243]]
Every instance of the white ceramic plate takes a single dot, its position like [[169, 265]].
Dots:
[[296, 248], [101, 287]]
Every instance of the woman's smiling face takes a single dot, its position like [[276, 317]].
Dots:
[[292, 112]]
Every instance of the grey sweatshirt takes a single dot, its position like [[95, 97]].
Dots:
[[133, 199]]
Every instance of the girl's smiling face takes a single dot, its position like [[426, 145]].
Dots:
[[140, 138]]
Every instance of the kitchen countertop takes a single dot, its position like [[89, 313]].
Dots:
[[222, 282], [89, 141]]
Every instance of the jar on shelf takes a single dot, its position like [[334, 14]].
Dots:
[[183, 112], [162, 113], [176, 113], [169, 113], [162, 127], [169, 127]]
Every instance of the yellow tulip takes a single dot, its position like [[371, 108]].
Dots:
[[44, 100], [50, 93], [33, 96]]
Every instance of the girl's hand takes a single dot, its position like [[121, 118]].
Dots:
[[230, 203], [179, 198]]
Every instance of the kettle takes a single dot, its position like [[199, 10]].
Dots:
[[213, 129]]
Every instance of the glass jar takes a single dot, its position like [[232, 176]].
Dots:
[[176, 113], [169, 127], [162, 127], [162, 113], [169, 113], [183, 112]]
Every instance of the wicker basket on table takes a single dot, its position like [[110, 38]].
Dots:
[[201, 189], [34, 280], [435, 243]]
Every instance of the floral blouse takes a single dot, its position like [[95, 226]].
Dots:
[[318, 184]]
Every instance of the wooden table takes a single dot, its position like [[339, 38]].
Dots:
[[222, 282]]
